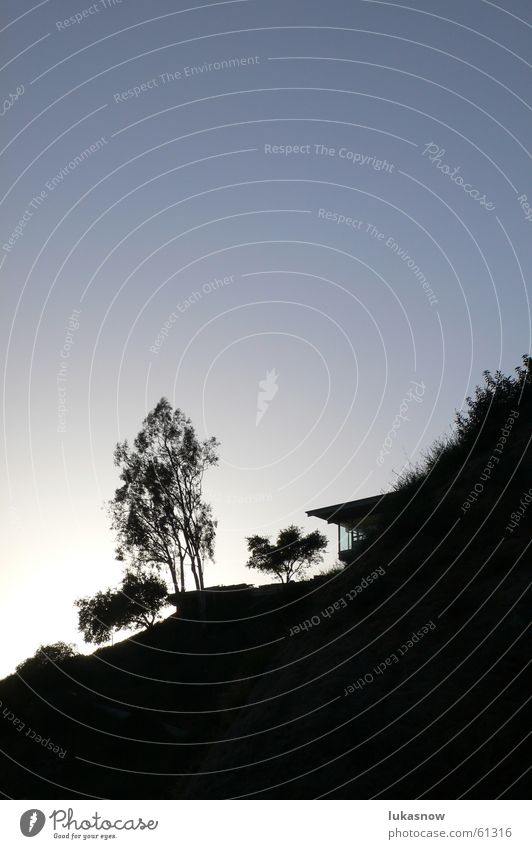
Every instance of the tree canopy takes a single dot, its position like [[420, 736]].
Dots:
[[291, 556], [159, 513], [135, 603], [54, 653]]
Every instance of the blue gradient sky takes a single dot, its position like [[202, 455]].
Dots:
[[181, 211]]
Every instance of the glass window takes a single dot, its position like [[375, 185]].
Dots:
[[345, 538], [348, 537]]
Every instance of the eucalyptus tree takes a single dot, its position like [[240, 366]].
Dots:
[[159, 513]]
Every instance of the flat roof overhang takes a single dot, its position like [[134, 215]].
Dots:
[[350, 510]]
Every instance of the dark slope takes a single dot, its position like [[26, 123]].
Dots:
[[447, 716], [144, 707], [235, 706]]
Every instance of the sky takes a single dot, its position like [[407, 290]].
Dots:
[[306, 224]]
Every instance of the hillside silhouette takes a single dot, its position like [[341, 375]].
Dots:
[[228, 699]]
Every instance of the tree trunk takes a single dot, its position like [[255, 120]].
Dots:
[[174, 582], [200, 572], [195, 573], [197, 569], [182, 573]]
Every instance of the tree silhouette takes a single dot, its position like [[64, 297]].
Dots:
[[159, 513], [290, 556], [135, 603], [493, 400], [476, 427], [54, 653]]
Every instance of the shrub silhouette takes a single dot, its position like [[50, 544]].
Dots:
[[136, 603], [434, 489], [290, 556], [54, 653]]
